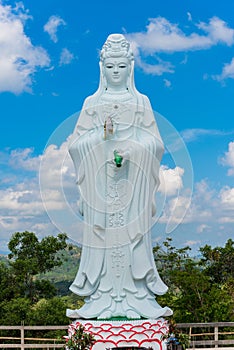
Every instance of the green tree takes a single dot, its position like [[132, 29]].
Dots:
[[170, 260], [30, 257], [7, 285], [194, 294], [218, 262], [49, 312], [14, 311]]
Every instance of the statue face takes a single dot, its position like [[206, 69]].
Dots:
[[116, 71]]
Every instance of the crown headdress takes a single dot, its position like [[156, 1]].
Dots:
[[116, 45]]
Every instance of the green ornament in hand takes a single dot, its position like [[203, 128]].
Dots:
[[118, 159]]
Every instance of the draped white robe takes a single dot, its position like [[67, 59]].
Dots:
[[117, 272]]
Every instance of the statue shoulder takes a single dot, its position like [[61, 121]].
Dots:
[[90, 102], [146, 101], [85, 121], [143, 100], [148, 121]]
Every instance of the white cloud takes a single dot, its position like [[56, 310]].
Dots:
[[176, 197], [167, 83], [202, 228], [204, 202], [192, 243], [185, 60], [51, 27], [228, 159], [227, 198], [227, 72], [21, 205], [24, 159], [189, 16], [19, 201], [210, 206], [58, 189], [19, 58], [218, 31], [66, 57], [162, 36], [176, 210], [170, 180], [190, 135], [155, 69], [227, 220], [62, 169], [204, 209]]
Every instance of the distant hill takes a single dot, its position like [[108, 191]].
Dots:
[[70, 261], [4, 258], [62, 276]]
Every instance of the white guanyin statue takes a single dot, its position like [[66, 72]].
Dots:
[[116, 149]]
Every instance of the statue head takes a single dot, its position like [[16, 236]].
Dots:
[[116, 64]]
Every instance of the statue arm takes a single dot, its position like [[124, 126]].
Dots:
[[86, 118], [150, 124]]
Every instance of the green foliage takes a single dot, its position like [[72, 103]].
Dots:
[[14, 311], [200, 290], [176, 337], [195, 294], [43, 289], [7, 285], [30, 257], [78, 339], [219, 262], [27, 291], [170, 259], [63, 276], [49, 312], [70, 258]]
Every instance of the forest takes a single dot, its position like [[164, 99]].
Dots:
[[35, 279]]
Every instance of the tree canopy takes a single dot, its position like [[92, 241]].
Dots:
[[30, 257], [201, 289]]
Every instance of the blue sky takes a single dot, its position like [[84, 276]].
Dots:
[[184, 54]]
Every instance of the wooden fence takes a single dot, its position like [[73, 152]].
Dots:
[[22, 341], [218, 335]]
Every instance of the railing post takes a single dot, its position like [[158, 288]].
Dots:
[[190, 338], [22, 336], [216, 336]]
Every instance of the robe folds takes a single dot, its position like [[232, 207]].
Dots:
[[117, 272]]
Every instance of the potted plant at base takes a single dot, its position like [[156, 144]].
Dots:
[[77, 338], [175, 339]]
